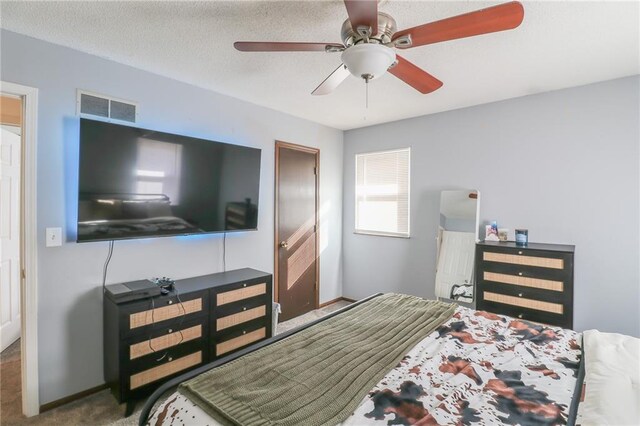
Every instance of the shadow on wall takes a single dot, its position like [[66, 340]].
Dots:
[[71, 135]]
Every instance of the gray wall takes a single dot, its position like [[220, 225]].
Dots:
[[563, 164], [70, 319]]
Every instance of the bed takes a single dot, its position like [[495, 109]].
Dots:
[[473, 367]]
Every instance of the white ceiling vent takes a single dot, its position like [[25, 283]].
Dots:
[[96, 105]]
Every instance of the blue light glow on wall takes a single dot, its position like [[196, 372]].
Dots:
[[71, 129]]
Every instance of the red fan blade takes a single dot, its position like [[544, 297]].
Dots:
[[267, 46], [490, 20], [363, 13], [333, 81], [415, 77]]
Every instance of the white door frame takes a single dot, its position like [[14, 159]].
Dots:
[[29, 283]]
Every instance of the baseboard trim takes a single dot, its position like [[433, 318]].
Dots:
[[67, 399], [337, 299]]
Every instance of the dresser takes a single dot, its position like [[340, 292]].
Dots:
[[534, 283], [149, 341]]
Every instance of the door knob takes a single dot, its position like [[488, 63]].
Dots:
[[284, 244]]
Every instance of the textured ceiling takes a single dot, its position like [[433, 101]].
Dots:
[[559, 44]]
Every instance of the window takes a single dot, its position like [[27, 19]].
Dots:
[[382, 193]]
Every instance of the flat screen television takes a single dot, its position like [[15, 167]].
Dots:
[[138, 183]]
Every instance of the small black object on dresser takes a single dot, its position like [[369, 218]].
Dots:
[[149, 341], [534, 283]]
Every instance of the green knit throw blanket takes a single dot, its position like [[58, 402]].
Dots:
[[320, 375]]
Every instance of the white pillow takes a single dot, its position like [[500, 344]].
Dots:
[[612, 380]]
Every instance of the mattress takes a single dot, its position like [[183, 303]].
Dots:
[[477, 368]]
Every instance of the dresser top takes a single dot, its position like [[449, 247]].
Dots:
[[529, 246], [188, 285]]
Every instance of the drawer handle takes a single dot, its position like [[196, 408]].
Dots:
[[519, 252], [169, 331], [244, 285], [520, 273], [244, 332], [519, 294], [169, 359], [170, 302], [244, 308], [520, 316]]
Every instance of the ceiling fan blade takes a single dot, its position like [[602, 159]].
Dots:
[[492, 19], [414, 76], [333, 81], [363, 13], [268, 46]]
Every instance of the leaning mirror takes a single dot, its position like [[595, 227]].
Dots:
[[456, 241]]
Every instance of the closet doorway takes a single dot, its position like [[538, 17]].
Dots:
[[296, 269], [11, 121], [18, 245]]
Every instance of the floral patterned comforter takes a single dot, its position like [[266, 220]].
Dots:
[[477, 368]]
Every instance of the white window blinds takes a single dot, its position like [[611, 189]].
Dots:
[[382, 193]]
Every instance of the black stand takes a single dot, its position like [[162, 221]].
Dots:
[[131, 406]]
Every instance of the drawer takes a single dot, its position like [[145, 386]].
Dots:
[[237, 292], [162, 356], [523, 302], [167, 369], [527, 257], [525, 271], [542, 317], [521, 280], [524, 292], [246, 315], [240, 306], [240, 338], [175, 333], [141, 317], [245, 327]]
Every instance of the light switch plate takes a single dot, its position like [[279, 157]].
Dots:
[[53, 237]]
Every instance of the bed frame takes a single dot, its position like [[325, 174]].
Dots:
[[577, 391], [173, 383]]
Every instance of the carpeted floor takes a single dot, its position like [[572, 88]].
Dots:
[[10, 389], [100, 408]]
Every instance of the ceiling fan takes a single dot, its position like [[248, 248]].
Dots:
[[369, 38]]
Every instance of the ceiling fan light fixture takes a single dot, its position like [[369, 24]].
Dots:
[[369, 60]]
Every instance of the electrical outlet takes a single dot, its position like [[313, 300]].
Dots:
[[53, 237]]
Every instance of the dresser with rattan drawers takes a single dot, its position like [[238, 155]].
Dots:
[[534, 283], [151, 340]]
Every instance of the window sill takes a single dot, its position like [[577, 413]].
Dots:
[[382, 234]]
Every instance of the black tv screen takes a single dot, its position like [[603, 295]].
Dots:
[[138, 183]]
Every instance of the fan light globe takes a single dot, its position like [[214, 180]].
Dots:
[[368, 61]]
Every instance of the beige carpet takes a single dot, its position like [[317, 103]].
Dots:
[[100, 408], [310, 316], [10, 389]]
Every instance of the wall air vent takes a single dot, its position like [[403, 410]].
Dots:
[[95, 105]]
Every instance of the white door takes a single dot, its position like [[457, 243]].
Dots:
[[455, 263], [10, 151]]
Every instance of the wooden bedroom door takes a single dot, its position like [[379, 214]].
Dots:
[[296, 233]]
